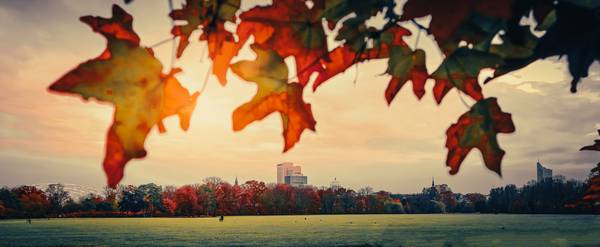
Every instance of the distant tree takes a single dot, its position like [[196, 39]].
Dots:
[[57, 196], [34, 202], [153, 197], [212, 181], [2, 210], [226, 201], [364, 191], [186, 199], [104, 206], [11, 202], [306, 201], [169, 192], [253, 192], [448, 198], [282, 199], [110, 195], [327, 200], [207, 201], [381, 198], [132, 200], [347, 199], [170, 205], [393, 207], [88, 203], [477, 200], [71, 206]]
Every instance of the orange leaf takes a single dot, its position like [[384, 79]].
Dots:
[[274, 94], [129, 77]]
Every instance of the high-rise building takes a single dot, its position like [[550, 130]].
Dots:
[[286, 169], [288, 173], [543, 173], [296, 180]]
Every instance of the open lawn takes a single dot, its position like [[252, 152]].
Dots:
[[320, 230]]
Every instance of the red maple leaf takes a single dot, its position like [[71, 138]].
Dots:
[[477, 129]]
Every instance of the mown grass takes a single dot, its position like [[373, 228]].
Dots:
[[330, 230]]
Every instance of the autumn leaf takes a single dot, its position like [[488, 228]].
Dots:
[[448, 16], [460, 70], [274, 94], [289, 28], [594, 147], [354, 31], [346, 55], [592, 194], [405, 65], [210, 16], [336, 10], [129, 77], [516, 44], [575, 34], [343, 57], [477, 129]]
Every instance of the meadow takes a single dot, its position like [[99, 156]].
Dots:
[[312, 230]]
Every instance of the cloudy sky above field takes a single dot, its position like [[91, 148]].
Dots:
[[360, 140]]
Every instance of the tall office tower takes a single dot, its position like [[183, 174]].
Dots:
[[288, 173], [543, 172]]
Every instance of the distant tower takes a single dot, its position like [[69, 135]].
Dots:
[[236, 181], [543, 173], [432, 182]]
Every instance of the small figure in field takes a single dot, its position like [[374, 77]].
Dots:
[[221, 218], [29, 221]]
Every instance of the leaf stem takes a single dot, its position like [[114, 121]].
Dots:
[[162, 42]]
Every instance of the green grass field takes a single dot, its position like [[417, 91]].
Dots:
[[385, 230]]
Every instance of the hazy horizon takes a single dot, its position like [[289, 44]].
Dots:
[[359, 140]]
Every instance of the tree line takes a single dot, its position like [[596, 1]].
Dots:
[[216, 197]]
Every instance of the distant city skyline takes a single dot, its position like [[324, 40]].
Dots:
[[290, 168]]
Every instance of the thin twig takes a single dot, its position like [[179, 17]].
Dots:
[[458, 90], [173, 43], [205, 82], [460, 96], [162, 42], [421, 27], [418, 37]]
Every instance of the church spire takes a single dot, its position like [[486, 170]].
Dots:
[[236, 181], [432, 182]]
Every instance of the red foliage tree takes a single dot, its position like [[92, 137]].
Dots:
[[186, 200], [33, 201]]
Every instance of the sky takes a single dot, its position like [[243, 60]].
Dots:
[[359, 140]]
